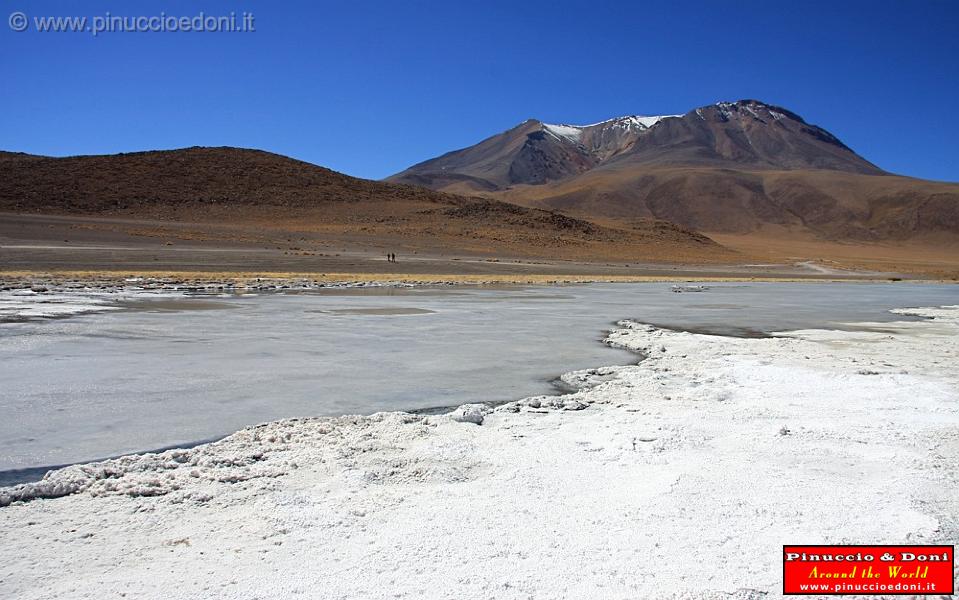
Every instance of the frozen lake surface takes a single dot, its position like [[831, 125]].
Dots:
[[172, 372]]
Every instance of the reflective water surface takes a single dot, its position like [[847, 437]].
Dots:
[[160, 373]]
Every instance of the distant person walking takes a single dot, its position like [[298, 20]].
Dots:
[[391, 257]]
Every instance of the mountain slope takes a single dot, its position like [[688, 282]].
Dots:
[[191, 175], [729, 167], [829, 204], [533, 152], [233, 185]]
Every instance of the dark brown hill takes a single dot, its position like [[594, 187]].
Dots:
[[234, 176], [238, 186]]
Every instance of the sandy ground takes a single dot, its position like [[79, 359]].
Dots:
[[75, 246], [934, 257], [679, 477]]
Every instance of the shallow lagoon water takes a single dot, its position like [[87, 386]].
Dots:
[[157, 375]]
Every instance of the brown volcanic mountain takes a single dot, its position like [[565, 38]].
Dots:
[[733, 167], [278, 194]]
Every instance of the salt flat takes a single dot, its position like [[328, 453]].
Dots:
[[679, 477]]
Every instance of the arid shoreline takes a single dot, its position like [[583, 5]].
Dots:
[[294, 280], [63, 247]]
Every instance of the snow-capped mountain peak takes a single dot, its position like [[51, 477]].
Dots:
[[745, 134]]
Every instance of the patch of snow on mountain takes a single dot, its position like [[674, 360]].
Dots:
[[570, 132], [648, 122], [574, 133], [631, 121]]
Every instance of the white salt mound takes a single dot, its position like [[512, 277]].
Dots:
[[470, 413]]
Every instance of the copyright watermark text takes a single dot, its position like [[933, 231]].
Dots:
[[110, 23]]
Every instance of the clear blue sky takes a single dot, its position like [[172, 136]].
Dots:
[[369, 88]]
